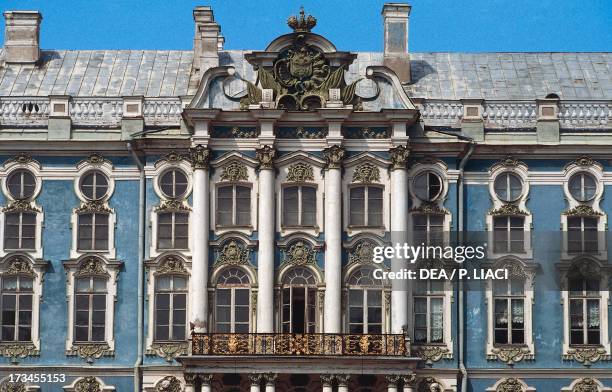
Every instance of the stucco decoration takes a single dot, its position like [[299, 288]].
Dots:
[[582, 210], [299, 253], [16, 351], [172, 157], [427, 207], [19, 266], [265, 156], [91, 266], [399, 157], [510, 385], [232, 253], [586, 385], [300, 172], [362, 252], [169, 384], [366, 173], [172, 205], [168, 351], [234, 171], [87, 384], [95, 159], [170, 265], [334, 156], [199, 157], [20, 206], [432, 353], [587, 355], [508, 209], [13, 387], [22, 159], [430, 384]]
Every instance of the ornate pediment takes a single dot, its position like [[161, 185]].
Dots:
[[300, 172]]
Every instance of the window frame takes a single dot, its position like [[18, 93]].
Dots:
[[582, 174], [428, 172], [232, 287], [428, 296], [172, 292], [173, 169], [94, 227], [300, 186], [234, 185], [173, 229], [94, 171], [22, 170], [366, 202], [508, 230], [20, 227], [508, 297], [18, 293], [508, 174], [309, 288], [90, 293]]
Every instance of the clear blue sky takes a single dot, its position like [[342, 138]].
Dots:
[[435, 25]]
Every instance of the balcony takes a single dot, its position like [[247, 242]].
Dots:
[[290, 344]]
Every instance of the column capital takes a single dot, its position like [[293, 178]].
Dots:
[[334, 156], [265, 156], [399, 156], [392, 379], [343, 379], [270, 378], [408, 379], [327, 379], [256, 378], [199, 156]]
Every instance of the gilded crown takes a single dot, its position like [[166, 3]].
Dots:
[[303, 23]]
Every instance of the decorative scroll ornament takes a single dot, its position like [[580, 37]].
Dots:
[[19, 266], [265, 156], [232, 254], [510, 385], [299, 253], [300, 172], [586, 385], [19, 350], [20, 206], [362, 253], [392, 379], [585, 269], [88, 384], [409, 379], [585, 161], [508, 209], [8, 386], [510, 355], [510, 162], [199, 157], [168, 384], [432, 353], [429, 208], [334, 156], [21, 158], [586, 355], [91, 266], [242, 133], [94, 206], [234, 171], [366, 173], [430, 384], [90, 351], [172, 157], [96, 159], [304, 133], [582, 210], [172, 205], [170, 265], [399, 156], [168, 351]]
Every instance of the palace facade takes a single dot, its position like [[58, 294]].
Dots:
[[205, 220]]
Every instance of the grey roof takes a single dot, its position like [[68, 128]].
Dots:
[[100, 73], [503, 76]]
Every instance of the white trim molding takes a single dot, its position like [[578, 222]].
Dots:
[[92, 266]]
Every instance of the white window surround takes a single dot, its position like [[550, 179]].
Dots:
[[229, 169], [593, 268], [283, 166], [82, 383], [97, 163], [168, 263], [509, 384], [584, 382], [28, 205], [588, 208], [22, 264], [170, 161], [216, 284], [511, 353], [96, 266], [418, 206], [513, 208], [351, 167]]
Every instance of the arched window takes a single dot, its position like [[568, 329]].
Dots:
[[90, 308], [16, 305], [299, 292], [170, 307], [509, 311], [365, 302], [233, 301], [366, 206], [299, 205], [429, 311], [233, 205]]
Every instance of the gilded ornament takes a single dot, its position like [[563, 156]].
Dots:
[[582, 210], [370, 133], [429, 208], [172, 205], [334, 156], [399, 156], [510, 385], [242, 133], [366, 173], [362, 253], [171, 264], [234, 171], [508, 209], [19, 266], [265, 156], [364, 343], [91, 266], [233, 253], [300, 172], [96, 159], [302, 24], [93, 206], [432, 353], [586, 385], [87, 384], [169, 384], [299, 253], [199, 156]]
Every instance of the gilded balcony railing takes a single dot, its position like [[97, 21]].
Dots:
[[311, 344]]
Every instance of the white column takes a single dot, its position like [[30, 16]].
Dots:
[[343, 380], [326, 382], [333, 240], [206, 382], [199, 233], [270, 378], [399, 228], [266, 229], [255, 382]]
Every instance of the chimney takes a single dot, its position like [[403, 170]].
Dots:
[[208, 39], [395, 20], [22, 36]]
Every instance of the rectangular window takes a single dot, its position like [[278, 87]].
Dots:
[[90, 309], [299, 206], [16, 304], [584, 312], [509, 311], [170, 308], [582, 234], [366, 206], [429, 312], [233, 205], [20, 231], [232, 312], [428, 229], [365, 311], [92, 231], [508, 234], [173, 230]]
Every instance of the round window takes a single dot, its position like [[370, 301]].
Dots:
[[508, 187], [94, 185], [173, 183], [582, 186], [427, 186], [21, 184]]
